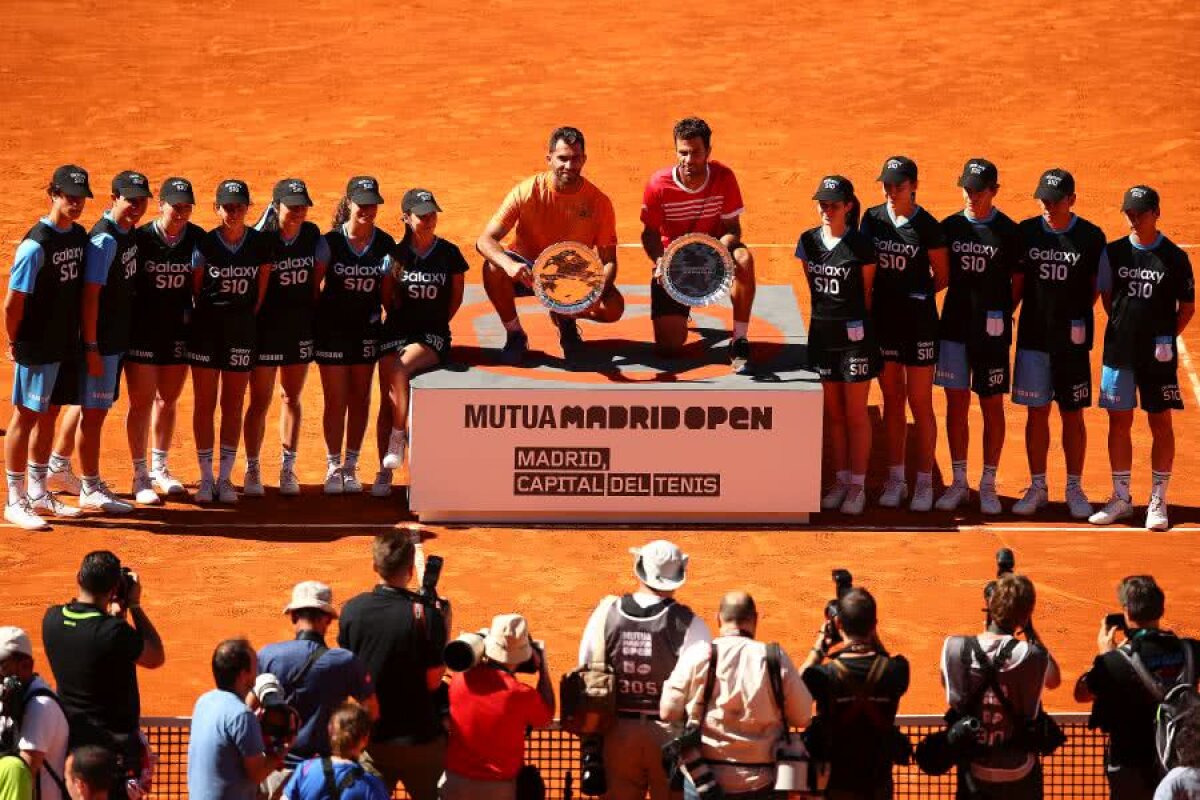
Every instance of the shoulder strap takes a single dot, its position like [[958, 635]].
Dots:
[[991, 675], [45, 691], [861, 693], [298, 679], [710, 680], [330, 786], [775, 677], [1143, 674], [599, 659], [352, 775]]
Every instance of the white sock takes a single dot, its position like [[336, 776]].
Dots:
[[351, 460], [204, 457], [739, 330], [59, 463], [90, 482], [289, 459], [228, 456], [513, 325], [896, 473], [1121, 485], [843, 477], [1038, 481], [1073, 482], [139, 467], [959, 469], [988, 478], [37, 480], [251, 462], [1158, 484], [924, 479], [333, 460], [158, 459], [16, 485], [858, 480]]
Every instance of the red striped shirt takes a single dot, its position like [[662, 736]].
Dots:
[[674, 210]]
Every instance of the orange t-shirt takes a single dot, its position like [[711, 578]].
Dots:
[[542, 216]]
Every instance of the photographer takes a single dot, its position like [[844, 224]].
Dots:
[[1123, 705], [226, 758], [742, 722], [1005, 763], [857, 691], [315, 678], [94, 654], [42, 733], [399, 635], [640, 636], [490, 710]]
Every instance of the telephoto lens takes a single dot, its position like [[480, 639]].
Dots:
[[464, 652], [591, 766]]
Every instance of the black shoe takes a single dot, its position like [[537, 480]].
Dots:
[[516, 345], [568, 335], [739, 356]]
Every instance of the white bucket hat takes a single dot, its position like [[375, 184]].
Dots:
[[507, 642], [14, 641], [311, 594], [660, 565]]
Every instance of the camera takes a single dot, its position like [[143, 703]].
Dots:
[[433, 572], [842, 583], [963, 736], [683, 754], [1006, 562], [591, 766], [125, 585], [467, 651], [280, 722]]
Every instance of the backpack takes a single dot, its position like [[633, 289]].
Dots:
[[14, 700], [1175, 703], [335, 788], [588, 693]]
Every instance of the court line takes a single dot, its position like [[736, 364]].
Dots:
[[1191, 370], [791, 246], [234, 525]]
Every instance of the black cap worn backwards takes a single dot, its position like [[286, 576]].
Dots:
[[835, 188], [233, 191], [131, 185], [72, 181], [363, 190], [177, 190], [1140, 198], [978, 174], [419, 202], [291, 192], [898, 169], [1054, 185]]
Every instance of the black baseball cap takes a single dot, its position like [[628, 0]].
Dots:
[[177, 190], [131, 185], [72, 181], [363, 190], [835, 188], [898, 169], [233, 191], [1140, 198], [1054, 185], [419, 202], [291, 192], [979, 173]]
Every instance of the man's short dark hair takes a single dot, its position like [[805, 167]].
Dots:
[[94, 765], [857, 612], [231, 658], [693, 128], [1142, 598], [737, 607], [572, 136], [393, 553], [310, 614], [100, 572]]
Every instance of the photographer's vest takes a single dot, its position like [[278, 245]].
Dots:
[[642, 645], [115, 316], [49, 329]]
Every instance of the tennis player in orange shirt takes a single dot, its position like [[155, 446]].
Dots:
[[558, 205]]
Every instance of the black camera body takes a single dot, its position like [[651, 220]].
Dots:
[[843, 582], [592, 778], [682, 756], [125, 585], [1006, 562]]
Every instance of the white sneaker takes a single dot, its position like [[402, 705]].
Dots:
[[894, 493], [63, 481], [143, 491], [225, 491], [103, 499], [397, 443], [1033, 501], [289, 485], [834, 498], [382, 487], [922, 498], [989, 501], [252, 485], [50, 504], [333, 481], [22, 515], [856, 500], [955, 495], [204, 492], [1078, 503], [166, 483], [1117, 508], [350, 484], [1156, 514]]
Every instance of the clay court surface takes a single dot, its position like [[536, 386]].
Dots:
[[459, 98]]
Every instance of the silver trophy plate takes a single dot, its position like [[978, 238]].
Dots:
[[568, 277], [697, 270]]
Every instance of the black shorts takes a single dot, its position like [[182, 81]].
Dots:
[[282, 345], [159, 339], [1064, 377], [906, 331], [223, 339], [983, 368], [347, 348], [663, 305], [837, 359], [70, 388], [437, 341]]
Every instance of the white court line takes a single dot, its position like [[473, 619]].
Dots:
[[792, 246], [1191, 370]]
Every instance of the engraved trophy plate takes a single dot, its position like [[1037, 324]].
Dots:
[[697, 270], [568, 278]]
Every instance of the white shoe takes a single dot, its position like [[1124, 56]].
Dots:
[[922, 498], [894, 493], [103, 499], [1156, 514], [166, 483], [989, 501], [397, 444], [382, 487], [856, 500], [252, 485], [143, 491], [834, 498], [1078, 503], [333, 481], [350, 484], [50, 504], [289, 485], [955, 495], [1117, 508], [204, 492], [1033, 501], [22, 515], [63, 481], [225, 491]]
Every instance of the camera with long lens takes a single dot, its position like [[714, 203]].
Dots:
[[683, 753], [1006, 562], [280, 722], [467, 651], [12, 693], [592, 780], [843, 582]]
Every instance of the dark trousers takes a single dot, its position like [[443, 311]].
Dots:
[[1131, 783], [1027, 788]]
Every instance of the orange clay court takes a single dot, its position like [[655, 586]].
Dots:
[[459, 98]]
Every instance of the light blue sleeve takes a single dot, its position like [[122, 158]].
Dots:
[[246, 733], [102, 249], [322, 256], [26, 264], [1104, 278], [198, 259]]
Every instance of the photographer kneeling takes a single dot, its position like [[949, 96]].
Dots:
[[996, 679], [857, 692], [490, 710]]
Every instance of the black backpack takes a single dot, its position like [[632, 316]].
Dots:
[[16, 697], [1176, 702]]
